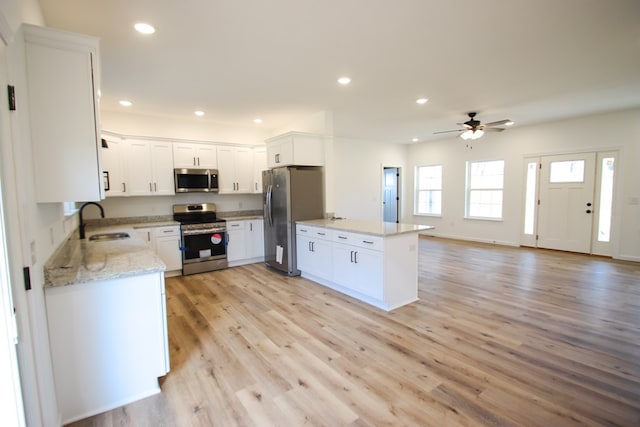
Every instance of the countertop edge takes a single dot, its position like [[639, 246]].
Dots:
[[365, 226]]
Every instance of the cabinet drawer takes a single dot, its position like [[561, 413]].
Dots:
[[361, 240], [316, 232], [166, 231], [236, 225]]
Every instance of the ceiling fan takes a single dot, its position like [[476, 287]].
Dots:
[[474, 129]]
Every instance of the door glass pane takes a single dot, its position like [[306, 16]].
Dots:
[[530, 199], [566, 171], [606, 200]]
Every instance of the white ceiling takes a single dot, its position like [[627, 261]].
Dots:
[[527, 60]]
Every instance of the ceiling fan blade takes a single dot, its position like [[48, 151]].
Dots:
[[498, 123], [447, 131], [493, 129]]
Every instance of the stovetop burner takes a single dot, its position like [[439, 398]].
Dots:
[[202, 213]]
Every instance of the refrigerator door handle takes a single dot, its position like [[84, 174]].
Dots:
[[269, 216]]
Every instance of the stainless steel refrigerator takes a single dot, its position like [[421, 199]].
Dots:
[[290, 194]]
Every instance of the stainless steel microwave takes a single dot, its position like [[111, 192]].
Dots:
[[196, 180]]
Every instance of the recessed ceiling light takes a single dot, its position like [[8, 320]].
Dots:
[[144, 28], [415, 140], [257, 121], [199, 113], [126, 103], [422, 100], [344, 80]]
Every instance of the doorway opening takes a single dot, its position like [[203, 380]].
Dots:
[[391, 194]]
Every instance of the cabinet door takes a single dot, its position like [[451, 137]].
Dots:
[[273, 153], [206, 157], [62, 81], [226, 170], [162, 166], [343, 267], [319, 258], [139, 168], [184, 155], [358, 269], [236, 248], [145, 234], [243, 161], [114, 163], [168, 249], [259, 164], [255, 238], [368, 273]]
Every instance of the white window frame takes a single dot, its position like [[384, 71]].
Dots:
[[418, 190], [469, 191]]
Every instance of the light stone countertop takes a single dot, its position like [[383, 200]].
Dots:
[[83, 261], [377, 228]]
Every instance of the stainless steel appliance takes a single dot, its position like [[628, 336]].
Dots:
[[290, 194], [203, 238], [196, 180]]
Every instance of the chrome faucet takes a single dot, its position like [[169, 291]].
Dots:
[[81, 226]]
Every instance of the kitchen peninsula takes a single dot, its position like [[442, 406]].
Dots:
[[372, 261]]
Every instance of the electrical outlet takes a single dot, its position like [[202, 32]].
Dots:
[[239, 205]]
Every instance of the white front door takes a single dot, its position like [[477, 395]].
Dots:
[[565, 213]]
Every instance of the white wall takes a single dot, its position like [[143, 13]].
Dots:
[[357, 167], [612, 131]]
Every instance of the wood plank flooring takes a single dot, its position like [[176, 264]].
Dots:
[[500, 337]]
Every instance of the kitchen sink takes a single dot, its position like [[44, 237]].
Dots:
[[109, 236]]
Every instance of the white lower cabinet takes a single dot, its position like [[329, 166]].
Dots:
[[358, 269], [314, 251], [108, 343], [246, 241], [379, 270], [165, 241]]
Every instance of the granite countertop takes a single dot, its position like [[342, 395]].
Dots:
[[377, 228], [82, 261]]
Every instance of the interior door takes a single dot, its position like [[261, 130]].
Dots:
[[565, 212], [390, 194]]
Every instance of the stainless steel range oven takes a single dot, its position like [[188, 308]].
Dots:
[[204, 238]]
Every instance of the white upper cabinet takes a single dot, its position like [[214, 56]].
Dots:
[[150, 168], [114, 167], [259, 164], [187, 155], [295, 148], [62, 83], [235, 169]]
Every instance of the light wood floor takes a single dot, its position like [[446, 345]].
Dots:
[[500, 337]]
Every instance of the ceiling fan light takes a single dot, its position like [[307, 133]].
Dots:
[[468, 134], [509, 123], [477, 134]]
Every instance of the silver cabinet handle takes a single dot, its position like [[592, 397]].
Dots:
[[150, 187]]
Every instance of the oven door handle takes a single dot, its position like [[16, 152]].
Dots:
[[203, 231]]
